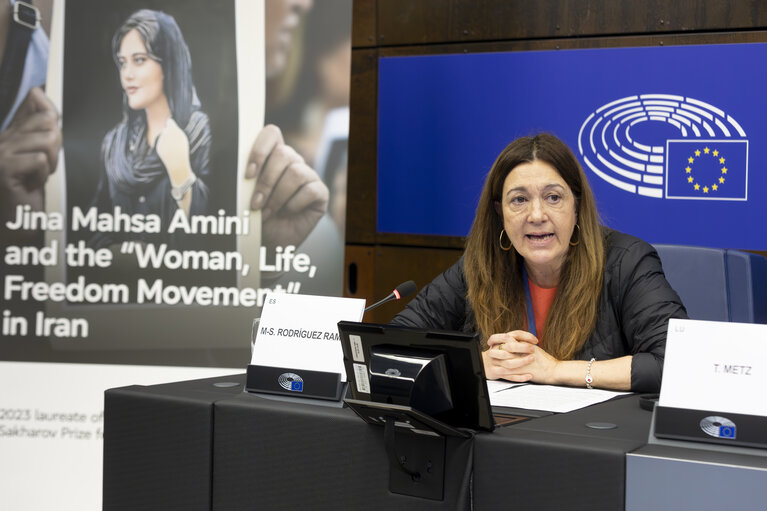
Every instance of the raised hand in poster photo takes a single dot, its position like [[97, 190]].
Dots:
[[291, 196], [172, 147], [29, 150], [30, 137], [151, 164]]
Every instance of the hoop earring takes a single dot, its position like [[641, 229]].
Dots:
[[500, 241], [579, 232]]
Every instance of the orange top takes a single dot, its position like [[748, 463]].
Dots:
[[542, 298]]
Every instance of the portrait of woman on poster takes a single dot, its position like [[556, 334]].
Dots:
[[157, 158]]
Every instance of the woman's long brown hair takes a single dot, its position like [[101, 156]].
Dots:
[[494, 276]]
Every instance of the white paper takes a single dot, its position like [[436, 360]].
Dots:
[[550, 398], [717, 366], [301, 332]]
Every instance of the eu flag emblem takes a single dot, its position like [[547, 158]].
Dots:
[[707, 169]]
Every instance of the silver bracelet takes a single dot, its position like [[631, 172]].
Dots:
[[589, 379], [178, 192]]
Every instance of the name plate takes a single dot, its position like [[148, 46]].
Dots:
[[301, 332], [712, 365]]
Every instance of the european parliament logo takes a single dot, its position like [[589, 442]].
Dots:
[[667, 146], [718, 427], [291, 381]]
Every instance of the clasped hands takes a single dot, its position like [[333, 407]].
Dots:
[[516, 356]]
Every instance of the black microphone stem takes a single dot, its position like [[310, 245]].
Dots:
[[381, 302]]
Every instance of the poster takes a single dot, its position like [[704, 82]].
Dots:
[[199, 167]]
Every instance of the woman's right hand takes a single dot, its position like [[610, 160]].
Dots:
[[172, 147], [508, 354]]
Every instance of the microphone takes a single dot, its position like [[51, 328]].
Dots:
[[402, 291]]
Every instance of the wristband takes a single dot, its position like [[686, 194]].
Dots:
[[589, 379], [178, 192]]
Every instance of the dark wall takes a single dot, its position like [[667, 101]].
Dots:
[[376, 262]]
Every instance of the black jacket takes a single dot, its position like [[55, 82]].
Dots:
[[634, 309]]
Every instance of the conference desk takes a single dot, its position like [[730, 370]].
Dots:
[[207, 445]]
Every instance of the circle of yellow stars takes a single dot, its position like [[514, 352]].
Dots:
[[713, 153]]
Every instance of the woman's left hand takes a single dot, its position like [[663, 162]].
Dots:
[[173, 149], [537, 365], [543, 367]]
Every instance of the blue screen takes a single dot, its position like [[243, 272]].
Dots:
[[670, 138]]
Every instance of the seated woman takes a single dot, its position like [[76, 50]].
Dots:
[[556, 297]]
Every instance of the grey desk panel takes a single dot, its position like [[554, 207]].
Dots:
[[158, 445], [275, 455], [671, 478], [557, 462]]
